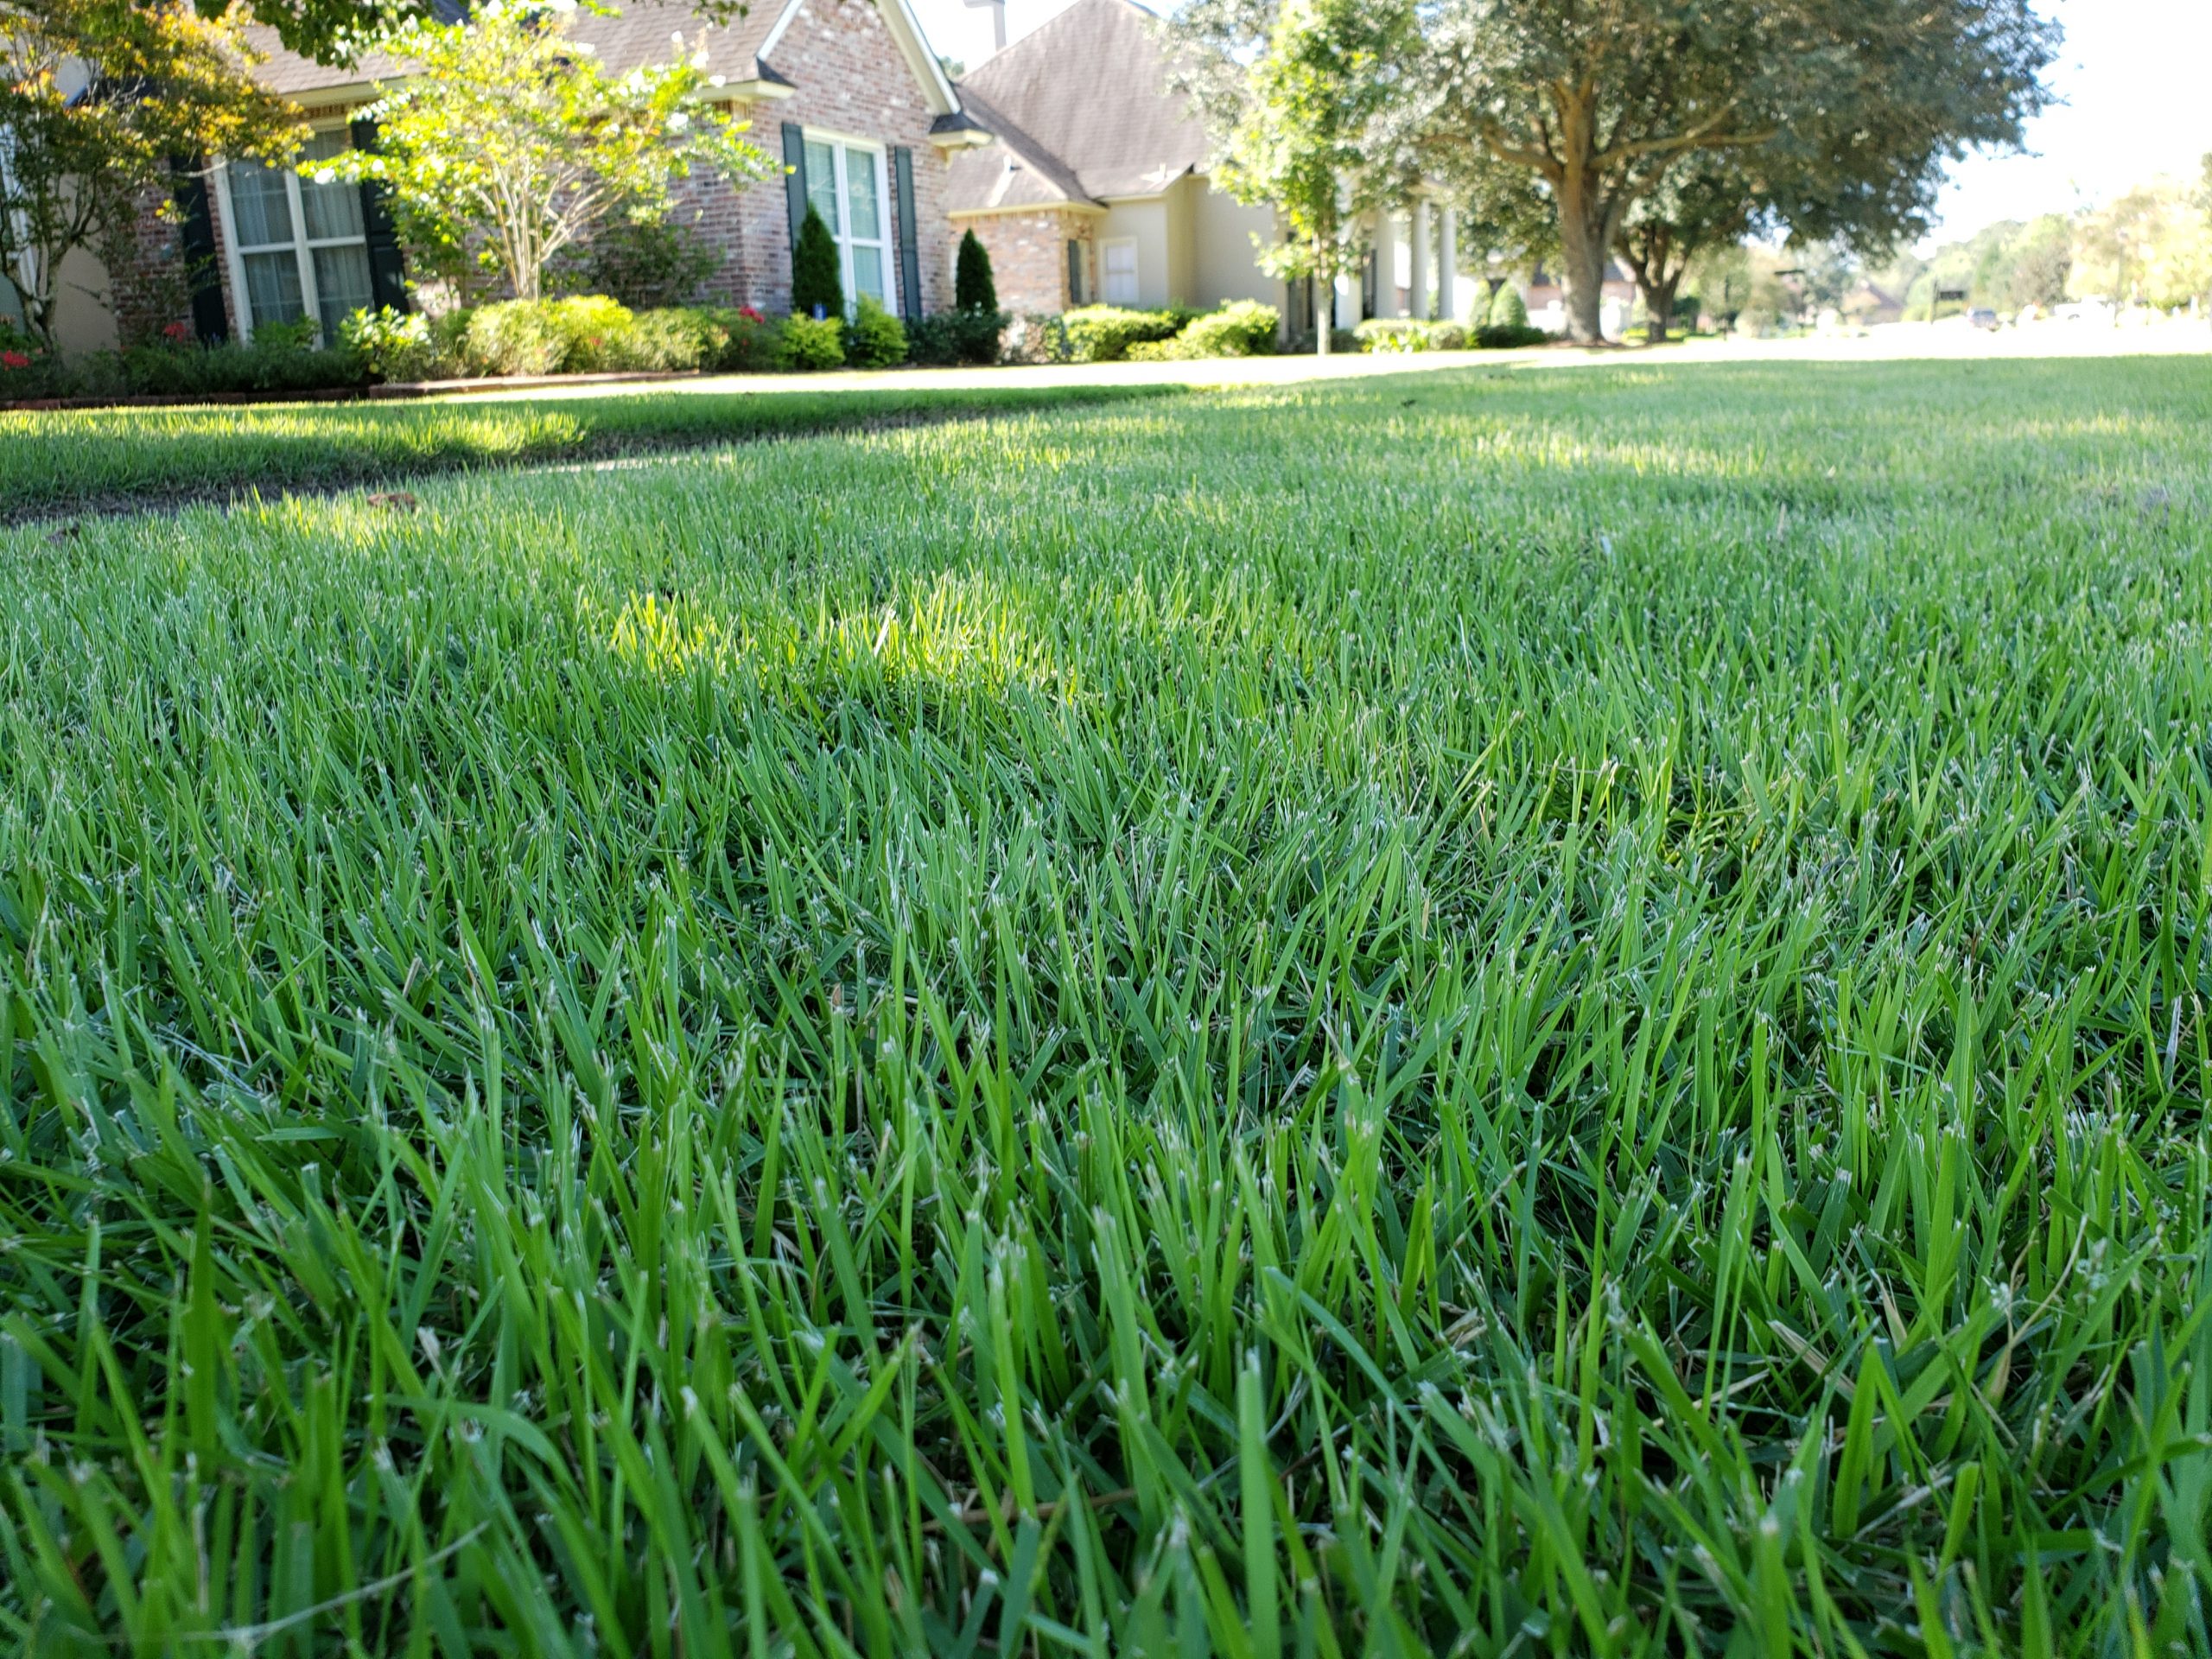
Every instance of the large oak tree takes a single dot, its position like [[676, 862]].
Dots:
[[1838, 115]]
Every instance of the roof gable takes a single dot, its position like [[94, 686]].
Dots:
[[643, 32], [1089, 90]]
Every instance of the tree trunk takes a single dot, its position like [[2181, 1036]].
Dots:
[[1325, 301], [1659, 307], [1583, 248]]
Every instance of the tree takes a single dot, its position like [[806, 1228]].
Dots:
[[1703, 203], [97, 97], [2040, 264], [1601, 103], [2152, 244], [816, 276], [1302, 140], [509, 142], [973, 286]]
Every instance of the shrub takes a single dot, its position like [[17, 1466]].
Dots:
[[1103, 333], [392, 345], [601, 336], [1044, 339], [27, 369], [1507, 309], [874, 339], [952, 337], [1391, 334], [744, 342], [814, 342], [1447, 336], [814, 278], [653, 265], [1498, 338], [973, 287], [1241, 328], [511, 337], [281, 356]]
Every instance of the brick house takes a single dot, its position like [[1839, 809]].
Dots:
[[845, 93]]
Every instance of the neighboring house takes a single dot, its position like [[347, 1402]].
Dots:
[[1096, 188], [845, 93]]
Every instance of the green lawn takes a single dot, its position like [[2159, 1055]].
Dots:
[[1550, 1013], [65, 460]]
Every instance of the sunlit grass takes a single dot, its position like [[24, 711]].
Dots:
[[1568, 1017]]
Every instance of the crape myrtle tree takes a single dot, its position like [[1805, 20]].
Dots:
[[98, 100], [508, 142], [1296, 93], [1829, 114]]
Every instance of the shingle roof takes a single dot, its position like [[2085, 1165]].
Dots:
[[1081, 106], [642, 33]]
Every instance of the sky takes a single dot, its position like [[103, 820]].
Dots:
[[2136, 76]]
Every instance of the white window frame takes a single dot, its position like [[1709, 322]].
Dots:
[[841, 145], [1106, 295], [303, 250]]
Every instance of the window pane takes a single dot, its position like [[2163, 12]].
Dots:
[[821, 184], [272, 287], [258, 199], [860, 179], [867, 272], [341, 286], [332, 209]]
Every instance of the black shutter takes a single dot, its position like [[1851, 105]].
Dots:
[[795, 177], [909, 255], [203, 275], [387, 265]]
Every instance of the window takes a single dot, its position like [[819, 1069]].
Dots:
[[845, 184], [1076, 287], [1118, 262], [301, 247]]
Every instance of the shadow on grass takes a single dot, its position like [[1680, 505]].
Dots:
[[121, 462]]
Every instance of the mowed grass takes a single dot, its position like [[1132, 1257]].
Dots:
[[1556, 1012], [60, 462]]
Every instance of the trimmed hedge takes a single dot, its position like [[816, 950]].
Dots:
[[1384, 334]]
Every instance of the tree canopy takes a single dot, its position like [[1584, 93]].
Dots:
[[1706, 114], [509, 142], [1303, 139], [98, 99]]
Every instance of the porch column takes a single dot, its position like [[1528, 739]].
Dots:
[[1447, 264], [1417, 280], [1386, 265], [1346, 305]]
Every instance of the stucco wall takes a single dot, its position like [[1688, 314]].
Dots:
[[1222, 231], [1147, 223]]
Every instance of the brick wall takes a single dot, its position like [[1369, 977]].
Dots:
[[1029, 257], [853, 81]]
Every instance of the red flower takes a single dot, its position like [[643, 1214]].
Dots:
[[175, 331], [750, 314], [15, 360]]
